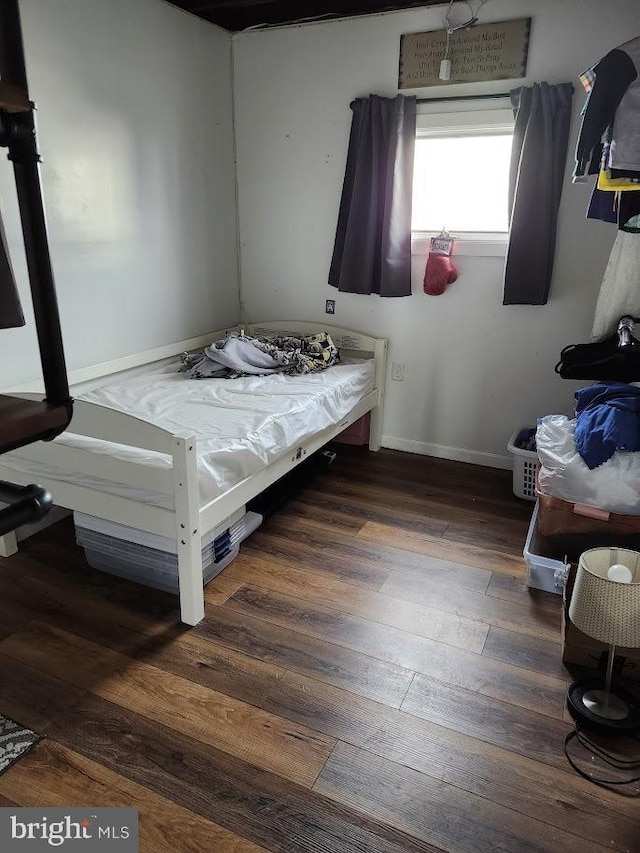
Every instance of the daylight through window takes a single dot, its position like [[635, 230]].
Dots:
[[461, 173]]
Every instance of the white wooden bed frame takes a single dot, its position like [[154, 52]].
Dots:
[[190, 520]]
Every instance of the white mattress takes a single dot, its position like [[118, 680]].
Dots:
[[242, 425]]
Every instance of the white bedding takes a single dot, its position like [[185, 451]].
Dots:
[[242, 425]]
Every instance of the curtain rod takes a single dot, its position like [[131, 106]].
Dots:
[[464, 98]]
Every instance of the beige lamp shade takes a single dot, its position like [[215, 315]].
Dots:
[[605, 609]]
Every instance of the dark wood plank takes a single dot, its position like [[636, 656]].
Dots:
[[266, 740], [253, 803], [53, 775], [331, 543], [523, 618], [435, 812], [357, 601], [438, 660], [501, 534], [552, 795], [532, 653], [325, 516], [214, 666], [31, 698], [13, 614], [218, 590], [473, 482], [55, 559], [522, 731], [439, 481], [462, 553], [304, 553], [435, 502], [327, 661], [102, 612], [515, 589], [363, 512], [508, 539]]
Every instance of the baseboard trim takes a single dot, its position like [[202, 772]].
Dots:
[[441, 451]]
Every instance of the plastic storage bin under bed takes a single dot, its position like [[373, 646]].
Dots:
[[152, 560]]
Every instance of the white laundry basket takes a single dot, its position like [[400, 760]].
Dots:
[[525, 467]]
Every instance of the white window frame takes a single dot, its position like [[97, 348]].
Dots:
[[448, 119]]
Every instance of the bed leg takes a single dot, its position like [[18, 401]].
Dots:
[[375, 429], [185, 481], [191, 591], [8, 544]]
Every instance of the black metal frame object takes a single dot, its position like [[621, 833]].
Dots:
[[18, 135]]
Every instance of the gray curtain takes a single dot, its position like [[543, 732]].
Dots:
[[10, 308], [372, 252], [538, 157]]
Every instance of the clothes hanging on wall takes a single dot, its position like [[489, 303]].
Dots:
[[602, 206], [613, 87], [629, 217], [620, 289], [608, 183], [612, 197]]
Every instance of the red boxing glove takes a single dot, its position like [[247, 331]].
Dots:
[[439, 271]]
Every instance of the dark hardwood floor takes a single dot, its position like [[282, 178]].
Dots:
[[371, 675]]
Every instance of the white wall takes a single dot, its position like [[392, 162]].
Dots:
[[475, 369], [136, 135]]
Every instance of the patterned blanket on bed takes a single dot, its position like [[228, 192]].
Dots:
[[243, 355]]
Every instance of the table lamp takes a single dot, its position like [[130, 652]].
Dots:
[[605, 605]]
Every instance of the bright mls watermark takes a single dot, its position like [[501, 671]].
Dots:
[[89, 830]]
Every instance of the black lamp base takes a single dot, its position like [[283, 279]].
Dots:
[[589, 703]]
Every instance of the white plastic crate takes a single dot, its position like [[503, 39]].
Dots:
[[542, 572], [525, 468]]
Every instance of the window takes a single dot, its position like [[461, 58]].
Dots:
[[460, 179]]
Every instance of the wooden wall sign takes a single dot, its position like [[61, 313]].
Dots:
[[495, 51]]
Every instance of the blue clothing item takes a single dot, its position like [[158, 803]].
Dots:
[[607, 419], [602, 206]]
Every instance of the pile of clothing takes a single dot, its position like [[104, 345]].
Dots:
[[594, 458], [243, 355], [607, 421]]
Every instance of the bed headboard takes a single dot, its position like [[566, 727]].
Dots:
[[350, 342]]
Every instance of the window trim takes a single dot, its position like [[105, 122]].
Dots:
[[436, 120], [487, 244]]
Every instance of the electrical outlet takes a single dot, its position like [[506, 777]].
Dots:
[[330, 306], [397, 371]]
